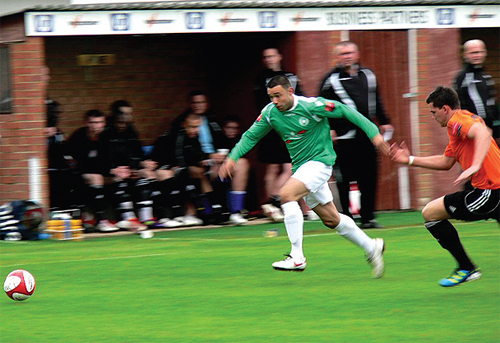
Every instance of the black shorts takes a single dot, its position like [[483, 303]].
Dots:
[[474, 204]]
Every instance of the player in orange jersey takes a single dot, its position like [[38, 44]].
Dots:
[[472, 146]]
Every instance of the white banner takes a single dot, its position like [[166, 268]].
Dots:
[[257, 20]]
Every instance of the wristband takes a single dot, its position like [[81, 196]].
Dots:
[[410, 160]]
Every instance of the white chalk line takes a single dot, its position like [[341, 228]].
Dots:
[[91, 259]]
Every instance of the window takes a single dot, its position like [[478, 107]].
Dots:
[[5, 84]]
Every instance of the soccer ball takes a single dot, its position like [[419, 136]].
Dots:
[[19, 285]]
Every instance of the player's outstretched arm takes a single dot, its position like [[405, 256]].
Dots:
[[381, 144], [401, 154], [370, 129]]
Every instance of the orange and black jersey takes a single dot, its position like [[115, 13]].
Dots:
[[461, 148]]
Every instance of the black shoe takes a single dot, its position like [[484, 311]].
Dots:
[[371, 224]]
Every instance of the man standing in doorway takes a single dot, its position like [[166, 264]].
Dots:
[[356, 87], [277, 160], [476, 89]]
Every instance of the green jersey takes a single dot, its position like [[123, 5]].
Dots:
[[304, 128]]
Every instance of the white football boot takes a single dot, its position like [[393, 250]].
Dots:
[[106, 226], [132, 224], [170, 223], [290, 264], [377, 259], [189, 220], [237, 219], [273, 212]]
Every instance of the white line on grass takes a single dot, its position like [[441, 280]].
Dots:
[[90, 259], [219, 240], [316, 235]]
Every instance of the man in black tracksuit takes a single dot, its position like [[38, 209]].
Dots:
[[61, 179], [87, 149], [476, 89], [132, 174], [356, 87], [277, 159]]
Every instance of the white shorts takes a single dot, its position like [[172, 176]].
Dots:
[[315, 175]]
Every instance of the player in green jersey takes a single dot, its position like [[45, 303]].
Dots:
[[303, 124]]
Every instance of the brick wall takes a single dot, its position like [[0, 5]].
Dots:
[[22, 131], [386, 53], [311, 67], [438, 61]]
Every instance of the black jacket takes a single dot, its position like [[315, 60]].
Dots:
[[89, 154], [360, 92], [175, 149], [56, 151], [211, 120], [122, 148], [476, 91]]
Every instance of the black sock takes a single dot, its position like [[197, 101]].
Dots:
[[448, 238], [172, 199], [98, 202], [123, 200]]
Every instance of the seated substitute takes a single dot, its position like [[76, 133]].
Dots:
[[178, 155], [87, 150], [131, 174], [231, 129]]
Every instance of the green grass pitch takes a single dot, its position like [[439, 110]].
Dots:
[[217, 285]]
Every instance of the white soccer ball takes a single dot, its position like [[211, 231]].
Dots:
[[19, 285]]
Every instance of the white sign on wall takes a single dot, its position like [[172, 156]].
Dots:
[[257, 20]]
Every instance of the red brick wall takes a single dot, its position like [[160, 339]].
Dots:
[[438, 60], [386, 53], [311, 67], [22, 130]]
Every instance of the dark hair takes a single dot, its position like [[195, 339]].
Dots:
[[115, 110], [196, 92], [53, 110], [444, 96], [115, 106], [93, 113], [279, 80], [231, 119]]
